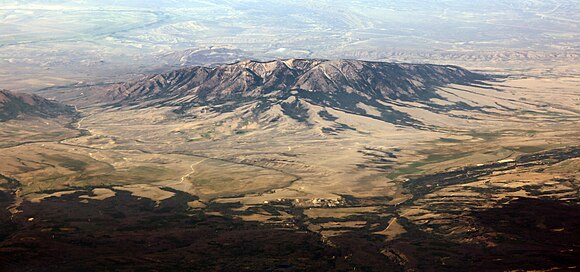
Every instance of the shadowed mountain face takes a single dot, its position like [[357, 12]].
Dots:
[[247, 79], [13, 105]]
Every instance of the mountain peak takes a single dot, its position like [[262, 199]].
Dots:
[[251, 78]]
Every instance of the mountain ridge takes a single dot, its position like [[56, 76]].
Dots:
[[249, 78], [13, 105]]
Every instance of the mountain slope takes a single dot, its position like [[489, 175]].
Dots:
[[293, 86], [13, 105], [254, 79]]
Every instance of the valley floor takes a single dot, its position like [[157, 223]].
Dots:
[[490, 184]]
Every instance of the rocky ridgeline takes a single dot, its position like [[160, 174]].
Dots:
[[252, 79]]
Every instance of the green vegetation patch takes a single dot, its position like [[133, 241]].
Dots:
[[143, 173], [450, 140], [530, 149], [415, 168], [487, 136], [67, 162]]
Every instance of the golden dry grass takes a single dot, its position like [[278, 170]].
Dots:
[[237, 157]]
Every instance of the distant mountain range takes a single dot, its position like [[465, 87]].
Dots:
[[13, 105]]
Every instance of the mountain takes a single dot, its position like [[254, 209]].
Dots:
[[13, 105], [378, 80], [348, 85]]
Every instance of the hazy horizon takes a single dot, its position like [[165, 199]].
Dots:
[[81, 37]]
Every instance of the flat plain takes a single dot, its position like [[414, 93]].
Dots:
[[59, 43]]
